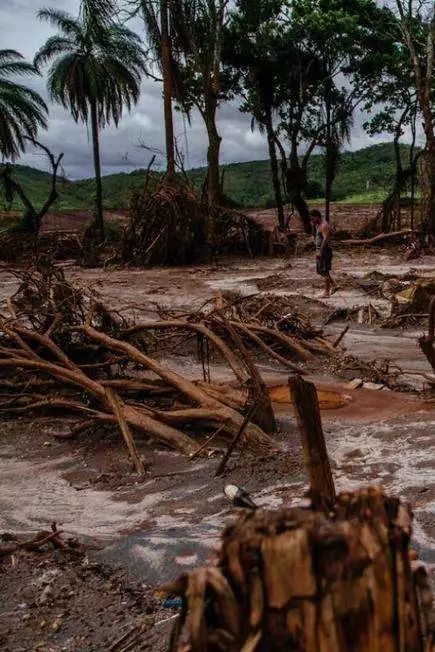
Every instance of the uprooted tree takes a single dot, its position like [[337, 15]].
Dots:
[[62, 350], [169, 225]]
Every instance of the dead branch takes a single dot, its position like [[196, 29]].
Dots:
[[382, 237], [117, 408]]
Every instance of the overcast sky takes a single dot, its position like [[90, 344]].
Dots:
[[21, 30]]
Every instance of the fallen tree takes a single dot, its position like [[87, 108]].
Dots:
[[269, 325], [298, 579], [377, 239], [61, 349]]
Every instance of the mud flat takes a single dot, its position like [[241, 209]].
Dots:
[[171, 521]]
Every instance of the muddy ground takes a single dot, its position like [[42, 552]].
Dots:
[[149, 532]]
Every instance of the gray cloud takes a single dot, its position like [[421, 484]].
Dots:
[[21, 30]]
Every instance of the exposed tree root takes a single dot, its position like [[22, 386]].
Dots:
[[168, 226], [62, 350], [77, 362]]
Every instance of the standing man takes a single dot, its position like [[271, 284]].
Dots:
[[322, 236]]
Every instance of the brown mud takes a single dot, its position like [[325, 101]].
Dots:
[[171, 520]]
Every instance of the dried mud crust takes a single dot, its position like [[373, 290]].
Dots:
[[52, 603]]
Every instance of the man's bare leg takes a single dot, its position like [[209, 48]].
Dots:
[[327, 292]]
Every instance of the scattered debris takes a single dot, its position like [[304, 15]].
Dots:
[[239, 497], [43, 541], [356, 383], [67, 352]]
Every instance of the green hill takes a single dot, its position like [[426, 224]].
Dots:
[[365, 175]]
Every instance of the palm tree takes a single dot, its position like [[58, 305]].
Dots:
[[22, 110], [96, 71]]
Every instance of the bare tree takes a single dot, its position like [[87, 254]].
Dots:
[[417, 26], [33, 216]]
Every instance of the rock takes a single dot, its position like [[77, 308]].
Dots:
[[356, 383], [45, 596], [374, 386]]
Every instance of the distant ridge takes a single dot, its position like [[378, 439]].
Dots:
[[363, 176]]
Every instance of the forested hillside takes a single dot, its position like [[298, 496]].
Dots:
[[365, 175]]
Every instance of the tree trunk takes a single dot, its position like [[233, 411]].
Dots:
[[214, 194], [330, 167], [274, 168], [296, 182], [99, 218], [330, 148], [167, 90], [297, 580], [428, 186]]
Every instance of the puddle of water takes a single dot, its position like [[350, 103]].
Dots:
[[328, 400]]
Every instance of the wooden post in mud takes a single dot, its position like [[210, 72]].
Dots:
[[427, 343], [304, 398], [296, 579]]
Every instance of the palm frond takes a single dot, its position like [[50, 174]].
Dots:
[[22, 110], [52, 47], [100, 65], [63, 21]]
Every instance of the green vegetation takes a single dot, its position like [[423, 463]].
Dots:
[[363, 176]]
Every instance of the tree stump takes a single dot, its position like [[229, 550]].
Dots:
[[296, 580]]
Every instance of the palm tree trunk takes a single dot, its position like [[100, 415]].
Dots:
[[167, 90], [99, 217], [274, 167]]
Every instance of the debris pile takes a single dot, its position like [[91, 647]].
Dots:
[[171, 226], [17, 246], [397, 302], [299, 579], [267, 324], [61, 349], [53, 539], [166, 226]]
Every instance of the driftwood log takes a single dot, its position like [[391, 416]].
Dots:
[[377, 239], [296, 580]]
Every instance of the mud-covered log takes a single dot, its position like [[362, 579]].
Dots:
[[300, 580]]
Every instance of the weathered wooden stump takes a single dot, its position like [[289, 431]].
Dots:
[[299, 580]]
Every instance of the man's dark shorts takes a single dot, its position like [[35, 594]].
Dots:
[[324, 263]]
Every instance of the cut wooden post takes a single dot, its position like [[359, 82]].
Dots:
[[306, 404], [116, 407], [427, 344]]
